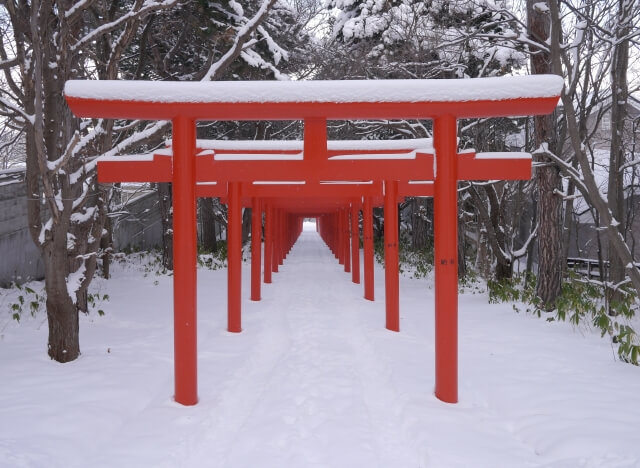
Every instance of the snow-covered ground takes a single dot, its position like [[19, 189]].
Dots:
[[314, 380]]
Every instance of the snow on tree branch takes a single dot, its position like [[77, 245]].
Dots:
[[244, 34], [522, 251], [148, 6], [255, 60], [77, 8], [55, 166], [275, 49], [139, 137], [17, 110]]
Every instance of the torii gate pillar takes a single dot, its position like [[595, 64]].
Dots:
[[367, 237], [234, 259], [268, 243], [256, 246], [391, 278], [355, 242], [184, 261], [446, 258]]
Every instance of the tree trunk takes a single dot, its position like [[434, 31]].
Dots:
[[62, 313], [208, 220], [550, 238], [462, 244], [548, 178], [531, 248], [246, 225], [378, 224], [106, 235], [484, 257], [504, 270], [619, 96], [106, 244], [568, 226], [166, 213], [420, 226]]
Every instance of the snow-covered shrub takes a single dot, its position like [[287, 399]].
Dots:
[[581, 302]]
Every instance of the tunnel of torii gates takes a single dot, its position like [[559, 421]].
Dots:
[[330, 181]]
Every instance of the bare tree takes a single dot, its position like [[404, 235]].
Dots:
[[50, 42], [568, 57], [501, 201], [46, 42]]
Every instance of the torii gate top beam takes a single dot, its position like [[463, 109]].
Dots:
[[291, 100]]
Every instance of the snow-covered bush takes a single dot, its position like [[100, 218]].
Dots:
[[582, 302]]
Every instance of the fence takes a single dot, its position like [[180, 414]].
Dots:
[[19, 257], [587, 267]]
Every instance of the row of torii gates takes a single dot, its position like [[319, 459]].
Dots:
[[329, 180]]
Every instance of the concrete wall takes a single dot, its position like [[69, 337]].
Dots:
[[19, 257], [136, 226]]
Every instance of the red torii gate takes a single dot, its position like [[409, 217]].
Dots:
[[157, 167], [444, 101]]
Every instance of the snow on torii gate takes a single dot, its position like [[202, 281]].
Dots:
[[444, 101]]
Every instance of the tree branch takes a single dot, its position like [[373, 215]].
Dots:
[[132, 15], [244, 34]]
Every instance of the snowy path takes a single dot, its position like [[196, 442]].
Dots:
[[314, 380], [310, 396]]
